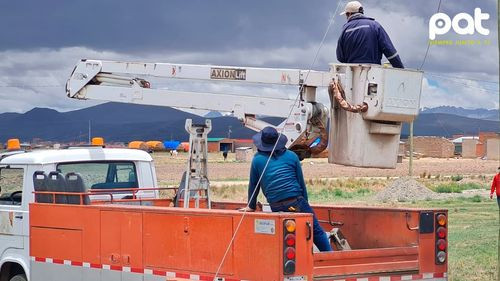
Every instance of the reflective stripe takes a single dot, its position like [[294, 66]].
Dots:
[[143, 271], [393, 56], [357, 27]]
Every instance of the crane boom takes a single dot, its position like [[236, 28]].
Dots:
[[122, 82]]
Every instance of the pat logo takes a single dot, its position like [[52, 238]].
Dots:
[[441, 23]]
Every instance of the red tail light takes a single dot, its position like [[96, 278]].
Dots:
[[441, 232], [290, 240], [441, 243], [290, 253]]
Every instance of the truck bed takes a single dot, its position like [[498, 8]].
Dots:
[[106, 241]]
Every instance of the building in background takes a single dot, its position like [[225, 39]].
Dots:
[[477, 146], [458, 142], [229, 145], [481, 149], [438, 147], [493, 149], [244, 154]]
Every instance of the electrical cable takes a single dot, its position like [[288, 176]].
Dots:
[[244, 212], [459, 77], [429, 43]]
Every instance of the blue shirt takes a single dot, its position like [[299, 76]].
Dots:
[[282, 178], [363, 40]]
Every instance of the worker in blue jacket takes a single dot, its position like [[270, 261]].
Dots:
[[363, 40], [282, 181]]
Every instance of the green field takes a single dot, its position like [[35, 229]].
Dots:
[[473, 238]]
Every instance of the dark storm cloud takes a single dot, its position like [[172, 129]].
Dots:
[[40, 41], [167, 25]]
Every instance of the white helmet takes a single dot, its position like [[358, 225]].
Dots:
[[353, 7]]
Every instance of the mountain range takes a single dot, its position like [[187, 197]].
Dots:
[[128, 122], [477, 113]]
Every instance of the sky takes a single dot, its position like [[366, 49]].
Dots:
[[41, 41]]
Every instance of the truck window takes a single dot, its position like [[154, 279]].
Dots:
[[11, 186], [103, 175]]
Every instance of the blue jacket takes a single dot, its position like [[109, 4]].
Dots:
[[363, 40], [282, 178]]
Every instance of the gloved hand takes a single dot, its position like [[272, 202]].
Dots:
[[246, 209]]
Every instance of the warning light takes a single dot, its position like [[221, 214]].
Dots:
[[97, 141], [13, 144], [290, 225]]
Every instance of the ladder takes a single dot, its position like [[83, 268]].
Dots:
[[196, 184]]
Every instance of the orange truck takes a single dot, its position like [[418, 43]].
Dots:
[[53, 229]]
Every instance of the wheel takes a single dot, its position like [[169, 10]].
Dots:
[[19, 277]]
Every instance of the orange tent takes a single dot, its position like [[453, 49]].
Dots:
[[138, 145], [155, 145], [184, 146]]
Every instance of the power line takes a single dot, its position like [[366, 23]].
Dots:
[[493, 91], [429, 43], [459, 77]]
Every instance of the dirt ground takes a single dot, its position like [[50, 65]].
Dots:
[[169, 169]]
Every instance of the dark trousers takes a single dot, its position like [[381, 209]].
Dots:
[[302, 206], [498, 201]]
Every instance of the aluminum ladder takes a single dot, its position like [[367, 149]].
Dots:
[[196, 183]]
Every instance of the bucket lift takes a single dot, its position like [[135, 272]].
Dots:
[[368, 102]]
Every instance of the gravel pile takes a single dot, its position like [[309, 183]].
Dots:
[[405, 190]]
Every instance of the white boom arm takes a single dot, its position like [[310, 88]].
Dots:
[[120, 82]]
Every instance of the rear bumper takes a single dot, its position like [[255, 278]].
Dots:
[[414, 277]]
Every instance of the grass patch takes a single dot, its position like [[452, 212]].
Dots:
[[457, 178], [454, 187], [334, 194]]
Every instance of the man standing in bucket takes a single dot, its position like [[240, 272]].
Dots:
[[282, 181], [363, 40]]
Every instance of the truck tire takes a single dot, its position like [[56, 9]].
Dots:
[[19, 277]]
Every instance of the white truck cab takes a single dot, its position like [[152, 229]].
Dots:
[[100, 168]]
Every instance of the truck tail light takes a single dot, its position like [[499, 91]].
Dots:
[[289, 242], [441, 238], [290, 253], [441, 244], [441, 232], [441, 219]]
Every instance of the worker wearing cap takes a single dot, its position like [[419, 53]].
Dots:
[[281, 181], [496, 185], [363, 40]]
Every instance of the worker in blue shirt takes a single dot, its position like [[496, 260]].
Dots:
[[282, 181], [363, 40]]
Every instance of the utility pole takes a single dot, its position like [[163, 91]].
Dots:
[[410, 166]]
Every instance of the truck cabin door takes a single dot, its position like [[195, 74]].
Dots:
[[13, 209]]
